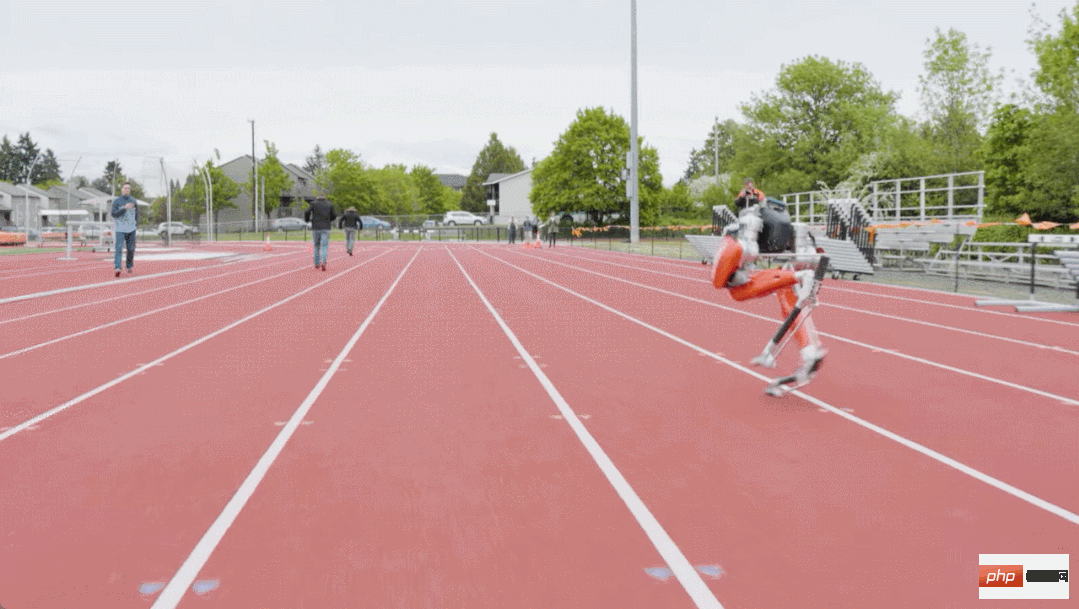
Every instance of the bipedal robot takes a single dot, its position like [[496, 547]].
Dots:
[[764, 232]]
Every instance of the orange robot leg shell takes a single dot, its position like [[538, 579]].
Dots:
[[807, 332], [727, 260], [763, 283]]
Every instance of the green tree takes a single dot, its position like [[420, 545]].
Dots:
[[820, 119], [1057, 53], [494, 158], [274, 178], [397, 192], [1005, 152], [9, 162], [348, 182], [315, 163], [431, 191], [958, 92], [584, 171], [703, 162], [113, 177], [1052, 172], [192, 203]]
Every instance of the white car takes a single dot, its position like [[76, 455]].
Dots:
[[453, 218], [283, 224], [176, 228]]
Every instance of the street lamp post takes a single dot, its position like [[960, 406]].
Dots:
[[67, 192], [634, 199], [26, 196]]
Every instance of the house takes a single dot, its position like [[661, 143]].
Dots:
[[17, 200], [455, 181], [291, 202], [508, 195]]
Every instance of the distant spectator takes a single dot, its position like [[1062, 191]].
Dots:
[[526, 229], [513, 229], [321, 215], [125, 213], [552, 229], [351, 223]]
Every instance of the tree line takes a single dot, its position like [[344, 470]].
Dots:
[[825, 125]]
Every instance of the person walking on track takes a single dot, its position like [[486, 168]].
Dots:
[[125, 214], [351, 223], [321, 215]]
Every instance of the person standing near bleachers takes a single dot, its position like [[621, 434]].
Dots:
[[125, 214], [321, 215], [513, 229], [526, 229]]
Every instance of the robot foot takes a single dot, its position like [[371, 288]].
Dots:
[[812, 358]]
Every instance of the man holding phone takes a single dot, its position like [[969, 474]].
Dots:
[[125, 213]]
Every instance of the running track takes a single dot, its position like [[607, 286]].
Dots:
[[456, 425]]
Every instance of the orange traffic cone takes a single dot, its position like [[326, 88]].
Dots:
[[267, 246]]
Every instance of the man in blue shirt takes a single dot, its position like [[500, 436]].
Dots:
[[125, 213]]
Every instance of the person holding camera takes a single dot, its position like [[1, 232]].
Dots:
[[748, 193]]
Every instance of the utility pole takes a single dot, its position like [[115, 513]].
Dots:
[[634, 182], [168, 205], [715, 148], [254, 175]]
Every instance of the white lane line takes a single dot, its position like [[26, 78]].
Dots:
[[39, 271], [846, 308], [960, 307], [89, 394], [103, 284], [185, 576], [946, 460], [151, 290], [913, 358], [599, 255], [672, 555], [147, 313]]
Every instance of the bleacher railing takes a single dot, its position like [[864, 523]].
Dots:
[[950, 196]]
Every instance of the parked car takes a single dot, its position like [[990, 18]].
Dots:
[[283, 224], [176, 228], [453, 218], [94, 230], [429, 224], [373, 222]]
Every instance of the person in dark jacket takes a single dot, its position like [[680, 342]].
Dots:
[[321, 215], [526, 229], [125, 213], [513, 229], [351, 222]]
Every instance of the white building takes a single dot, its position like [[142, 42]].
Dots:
[[509, 195]]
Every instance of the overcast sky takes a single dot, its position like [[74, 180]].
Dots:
[[427, 81]]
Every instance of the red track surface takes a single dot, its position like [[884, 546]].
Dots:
[[434, 469]]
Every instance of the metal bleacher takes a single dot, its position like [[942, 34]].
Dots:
[[845, 256]]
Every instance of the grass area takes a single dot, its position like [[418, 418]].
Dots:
[[33, 249]]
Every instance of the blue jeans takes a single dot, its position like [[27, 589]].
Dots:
[[320, 239], [121, 239], [350, 239]]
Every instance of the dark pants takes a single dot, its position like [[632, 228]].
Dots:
[[121, 240], [513, 234], [551, 236]]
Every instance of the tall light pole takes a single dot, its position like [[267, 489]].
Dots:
[[67, 192], [209, 204], [168, 205], [26, 196], [634, 182], [254, 175]]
